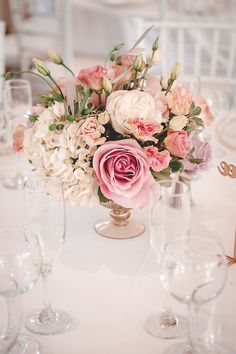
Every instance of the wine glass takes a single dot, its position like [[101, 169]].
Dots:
[[169, 218], [17, 106], [212, 323], [10, 319], [187, 264], [20, 260], [45, 216]]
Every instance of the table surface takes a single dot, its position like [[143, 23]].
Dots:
[[111, 286]]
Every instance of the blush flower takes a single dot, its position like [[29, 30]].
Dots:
[[93, 77], [202, 150], [92, 131], [177, 143], [179, 100], [143, 130], [122, 169], [158, 160]]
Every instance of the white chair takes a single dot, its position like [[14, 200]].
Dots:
[[205, 50], [2, 58], [39, 24]]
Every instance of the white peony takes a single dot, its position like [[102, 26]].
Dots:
[[122, 105]]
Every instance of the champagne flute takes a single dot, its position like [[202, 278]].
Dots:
[[45, 216], [169, 218], [187, 264], [20, 260], [17, 106]]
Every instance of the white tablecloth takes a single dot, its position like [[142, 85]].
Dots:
[[111, 286]]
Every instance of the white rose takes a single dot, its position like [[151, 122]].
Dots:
[[178, 122], [122, 105]]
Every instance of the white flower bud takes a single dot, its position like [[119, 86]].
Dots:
[[41, 67], [138, 63], [103, 118], [55, 57], [175, 71], [153, 57], [107, 85], [178, 122]]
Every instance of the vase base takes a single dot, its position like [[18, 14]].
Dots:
[[107, 228]]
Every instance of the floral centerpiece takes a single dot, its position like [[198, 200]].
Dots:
[[113, 131]]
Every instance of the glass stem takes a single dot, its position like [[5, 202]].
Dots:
[[47, 315], [167, 318]]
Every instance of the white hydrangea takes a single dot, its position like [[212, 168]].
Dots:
[[62, 154]]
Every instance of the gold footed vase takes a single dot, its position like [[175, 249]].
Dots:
[[120, 225]]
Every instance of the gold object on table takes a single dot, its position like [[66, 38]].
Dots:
[[227, 169]]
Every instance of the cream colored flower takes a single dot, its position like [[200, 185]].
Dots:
[[177, 123], [122, 105], [103, 118], [58, 109]]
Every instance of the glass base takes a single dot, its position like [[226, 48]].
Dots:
[[25, 344], [60, 322], [154, 327], [179, 348], [107, 228], [16, 182]]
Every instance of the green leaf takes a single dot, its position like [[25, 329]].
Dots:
[[57, 97], [198, 121], [141, 38], [102, 197], [33, 118], [59, 126], [118, 46], [197, 110], [176, 166], [52, 127], [70, 117], [87, 93], [112, 57], [191, 109], [196, 161], [162, 175], [191, 151]]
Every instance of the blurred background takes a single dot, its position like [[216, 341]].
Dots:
[[200, 34]]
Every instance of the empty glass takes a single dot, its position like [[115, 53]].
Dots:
[[20, 260], [212, 323], [17, 107], [187, 264], [169, 218], [45, 216], [10, 319]]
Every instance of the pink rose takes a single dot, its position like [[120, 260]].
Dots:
[[177, 143], [92, 77], [92, 131], [206, 114], [158, 160], [95, 101], [122, 169], [179, 100], [143, 130], [18, 137]]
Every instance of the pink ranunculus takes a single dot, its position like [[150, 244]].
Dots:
[[206, 114], [202, 150], [122, 169], [92, 77], [158, 160], [18, 137], [179, 100], [177, 143], [143, 130], [92, 131]]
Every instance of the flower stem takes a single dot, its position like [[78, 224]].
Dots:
[[33, 73], [67, 68]]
